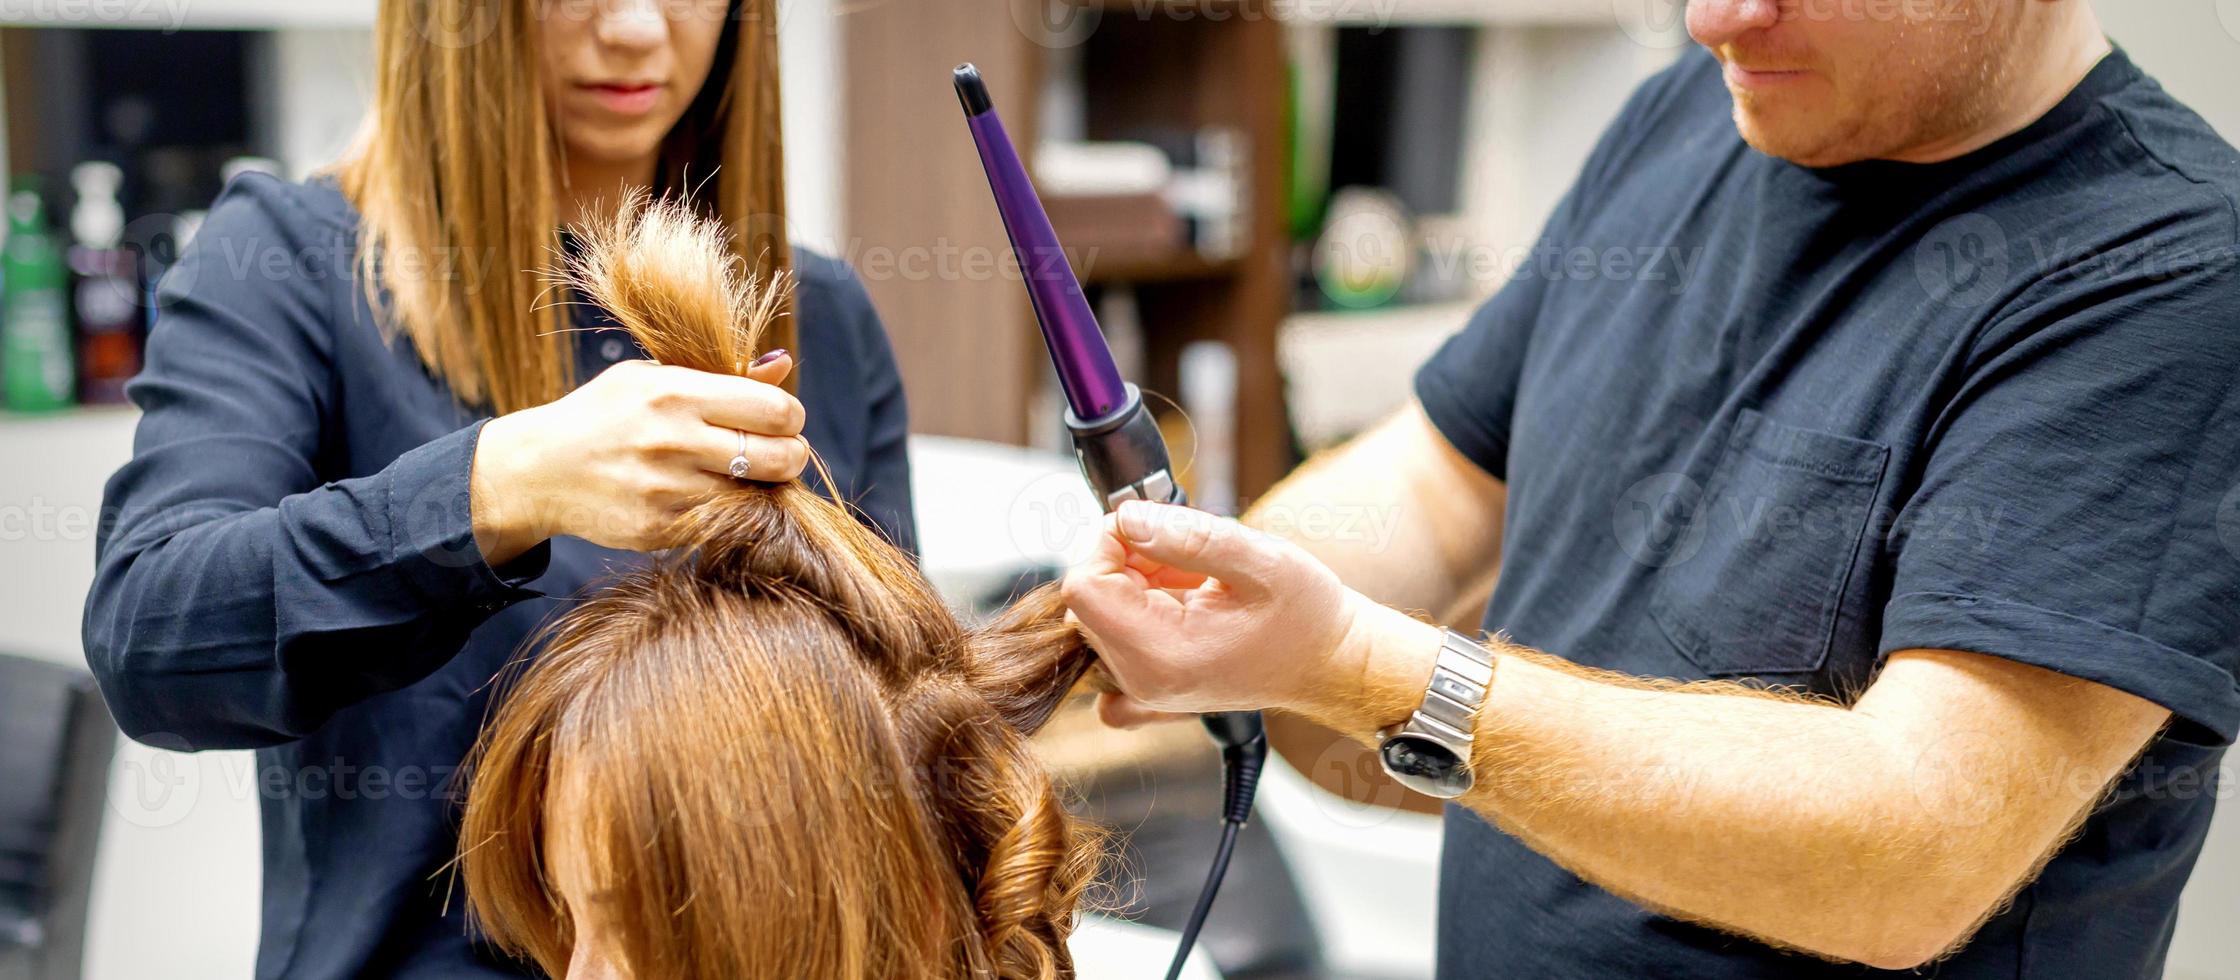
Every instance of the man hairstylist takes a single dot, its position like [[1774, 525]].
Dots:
[[1927, 477]]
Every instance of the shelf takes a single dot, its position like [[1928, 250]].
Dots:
[[1173, 8], [1349, 369], [68, 419], [1372, 13], [1407, 318], [1386, 13], [1180, 266], [175, 15], [58, 462]]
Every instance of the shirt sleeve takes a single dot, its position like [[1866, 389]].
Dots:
[[240, 599], [2079, 505], [1468, 389]]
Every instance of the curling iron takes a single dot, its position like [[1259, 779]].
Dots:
[[1115, 438]]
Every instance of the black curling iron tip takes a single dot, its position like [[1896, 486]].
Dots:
[[972, 91]]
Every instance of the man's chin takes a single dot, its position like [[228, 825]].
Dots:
[[1802, 144]]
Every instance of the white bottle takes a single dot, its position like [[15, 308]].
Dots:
[[1208, 375], [106, 294], [97, 221]]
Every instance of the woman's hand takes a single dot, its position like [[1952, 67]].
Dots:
[[617, 460]]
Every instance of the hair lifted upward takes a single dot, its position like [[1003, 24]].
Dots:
[[774, 752]]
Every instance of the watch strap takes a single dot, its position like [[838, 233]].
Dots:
[[1458, 688], [1449, 711]]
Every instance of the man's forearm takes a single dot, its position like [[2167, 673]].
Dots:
[[1771, 816], [1844, 832], [1883, 832], [1398, 515]]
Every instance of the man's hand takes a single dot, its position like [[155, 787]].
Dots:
[[1973, 765], [1195, 613]]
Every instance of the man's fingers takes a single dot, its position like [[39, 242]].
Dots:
[[1091, 636], [1103, 591], [1186, 540], [1163, 576], [1118, 710]]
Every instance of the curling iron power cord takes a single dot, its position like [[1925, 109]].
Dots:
[[1244, 751]]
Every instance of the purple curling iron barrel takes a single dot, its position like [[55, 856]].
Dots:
[[1122, 454]]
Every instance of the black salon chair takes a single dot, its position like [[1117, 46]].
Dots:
[[56, 738]]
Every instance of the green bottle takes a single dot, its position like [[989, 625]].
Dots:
[[35, 364]]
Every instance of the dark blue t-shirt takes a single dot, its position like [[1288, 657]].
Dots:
[[288, 564], [1765, 421]]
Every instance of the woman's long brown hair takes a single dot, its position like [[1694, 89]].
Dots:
[[781, 752], [455, 179]]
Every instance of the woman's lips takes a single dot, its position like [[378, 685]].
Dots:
[[626, 98], [1741, 77]]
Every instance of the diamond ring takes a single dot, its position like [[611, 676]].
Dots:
[[739, 463]]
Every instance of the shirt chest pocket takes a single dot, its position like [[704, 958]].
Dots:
[[1777, 536]]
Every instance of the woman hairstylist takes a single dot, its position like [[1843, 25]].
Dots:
[[324, 548]]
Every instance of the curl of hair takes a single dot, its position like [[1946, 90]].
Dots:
[[776, 744]]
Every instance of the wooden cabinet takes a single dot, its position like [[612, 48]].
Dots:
[[924, 233]]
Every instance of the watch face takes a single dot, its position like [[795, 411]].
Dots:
[[1425, 766]]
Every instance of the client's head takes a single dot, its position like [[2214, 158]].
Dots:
[[773, 752]]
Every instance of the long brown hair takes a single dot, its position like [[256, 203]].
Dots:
[[780, 752], [455, 176]]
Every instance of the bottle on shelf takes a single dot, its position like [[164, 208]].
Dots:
[[35, 362], [106, 292], [1208, 377]]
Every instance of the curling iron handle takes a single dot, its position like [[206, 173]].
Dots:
[[1231, 730], [1123, 457]]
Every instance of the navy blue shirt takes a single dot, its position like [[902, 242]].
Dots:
[[1760, 421], [288, 564]]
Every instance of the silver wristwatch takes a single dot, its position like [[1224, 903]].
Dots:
[[1430, 752]]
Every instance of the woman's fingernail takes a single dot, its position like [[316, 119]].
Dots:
[[767, 358]]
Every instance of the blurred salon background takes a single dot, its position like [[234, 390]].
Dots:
[[1280, 207]]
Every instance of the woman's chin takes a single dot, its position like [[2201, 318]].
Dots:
[[606, 146]]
